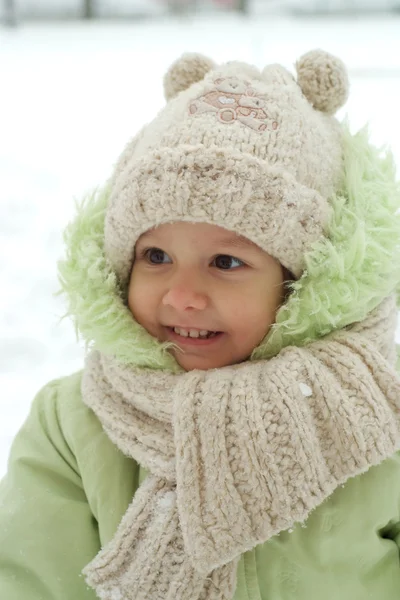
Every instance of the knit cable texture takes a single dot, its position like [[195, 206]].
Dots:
[[237, 147], [237, 454]]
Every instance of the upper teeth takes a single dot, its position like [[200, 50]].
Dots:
[[194, 333]]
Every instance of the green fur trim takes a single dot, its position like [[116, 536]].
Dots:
[[357, 265], [94, 299], [347, 274]]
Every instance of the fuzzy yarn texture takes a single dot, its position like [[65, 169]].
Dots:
[[238, 454], [323, 80], [236, 147], [348, 272], [188, 69]]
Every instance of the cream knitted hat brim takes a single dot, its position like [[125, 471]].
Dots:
[[222, 187], [242, 149]]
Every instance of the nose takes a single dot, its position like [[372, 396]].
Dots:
[[185, 295]]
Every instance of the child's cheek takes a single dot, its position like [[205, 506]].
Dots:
[[143, 300], [137, 292]]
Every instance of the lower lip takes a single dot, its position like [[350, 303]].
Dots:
[[189, 341]]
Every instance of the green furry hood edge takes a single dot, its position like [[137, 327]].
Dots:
[[347, 274]]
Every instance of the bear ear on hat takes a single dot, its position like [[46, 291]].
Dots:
[[188, 69], [323, 80]]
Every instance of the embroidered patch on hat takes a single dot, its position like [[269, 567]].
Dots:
[[234, 99]]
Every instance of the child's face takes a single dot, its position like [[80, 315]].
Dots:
[[200, 277]]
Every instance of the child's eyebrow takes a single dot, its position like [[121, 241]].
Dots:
[[235, 240]]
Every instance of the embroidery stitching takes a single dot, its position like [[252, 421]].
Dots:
[[234, 100]]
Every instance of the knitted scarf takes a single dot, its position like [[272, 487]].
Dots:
[[237, 454]]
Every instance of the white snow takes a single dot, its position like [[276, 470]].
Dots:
[[71, 96]]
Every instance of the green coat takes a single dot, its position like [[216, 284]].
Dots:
[[68, 487]]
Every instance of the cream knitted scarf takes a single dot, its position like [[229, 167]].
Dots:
[[237, 454]]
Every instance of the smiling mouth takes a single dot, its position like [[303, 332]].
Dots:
[[200, 334]]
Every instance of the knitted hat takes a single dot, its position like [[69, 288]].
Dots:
[[258, 153]]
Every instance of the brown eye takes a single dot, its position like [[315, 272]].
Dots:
[[155, 256], [224, 261]]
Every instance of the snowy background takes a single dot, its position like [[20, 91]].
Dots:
[[72, 94]]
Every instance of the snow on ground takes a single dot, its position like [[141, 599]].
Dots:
[[71, 96]]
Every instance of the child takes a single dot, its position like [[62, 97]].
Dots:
[[236, 428]]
